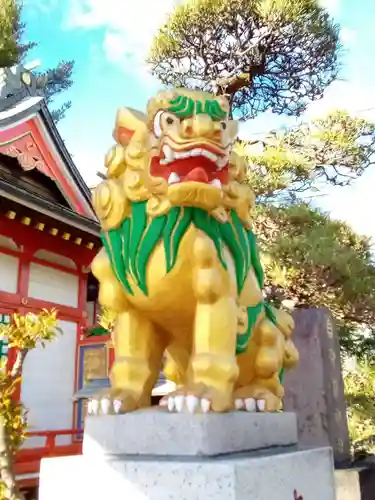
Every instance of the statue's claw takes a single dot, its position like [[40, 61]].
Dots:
[[103, 406], [108, 404], [181, 403], [255, 398], [197, 398], [250, 405], [93, 407]]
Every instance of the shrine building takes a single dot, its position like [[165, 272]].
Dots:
[[48, 237]]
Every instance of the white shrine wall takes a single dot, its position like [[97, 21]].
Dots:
[[48, 375], [9, 265], [35, 276], [48, 385], [53, 285]]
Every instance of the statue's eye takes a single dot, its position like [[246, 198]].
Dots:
[[170, 120], [157, 124], [223, 125]]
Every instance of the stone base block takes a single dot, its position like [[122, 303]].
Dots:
[[158, 432], [348, 485], [276, 475], [356, 483]]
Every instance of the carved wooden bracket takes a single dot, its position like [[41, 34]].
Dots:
[[27, 153]]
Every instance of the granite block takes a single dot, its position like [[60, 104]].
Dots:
[[348, 485], [160, 433], [285, 475]]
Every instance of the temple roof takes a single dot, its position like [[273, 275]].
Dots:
[[28, 134], [16, 189]]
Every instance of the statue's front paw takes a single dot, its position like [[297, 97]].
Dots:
[[255, 398], [112, 403]]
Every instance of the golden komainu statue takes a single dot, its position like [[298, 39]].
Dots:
[[179, 264]]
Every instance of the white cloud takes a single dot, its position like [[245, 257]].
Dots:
[[129, 26], [333, 6], [114, 46], [354, 204], [347, 36], [353, 96], [262, 124], [89, 160], [119, 52]]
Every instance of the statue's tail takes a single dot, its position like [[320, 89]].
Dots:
[[285, 324]]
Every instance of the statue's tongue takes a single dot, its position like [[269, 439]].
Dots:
[[197, 174]]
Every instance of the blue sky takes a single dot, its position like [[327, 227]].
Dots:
[[108, 39]]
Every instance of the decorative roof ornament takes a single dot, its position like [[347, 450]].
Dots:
[[16, 83]]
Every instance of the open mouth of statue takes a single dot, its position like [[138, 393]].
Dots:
[[200, 163]]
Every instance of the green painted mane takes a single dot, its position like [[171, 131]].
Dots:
[[130, 245], [185, 107]]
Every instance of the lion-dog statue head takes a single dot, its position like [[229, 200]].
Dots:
[[180, 153]]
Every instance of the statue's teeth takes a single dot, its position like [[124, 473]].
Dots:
[[196, 152], [168, 152], [221, 162], [216, 183], [183, 154], [173, 178], [209, 155], [170, 155]]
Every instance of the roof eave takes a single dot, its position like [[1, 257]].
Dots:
[[49, 208], [49, 123]]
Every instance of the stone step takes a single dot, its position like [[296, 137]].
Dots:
[[285, 475], [157, 432]]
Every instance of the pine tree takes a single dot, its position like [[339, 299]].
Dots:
[[278, 55]]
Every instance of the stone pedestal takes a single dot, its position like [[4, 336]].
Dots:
[[154, 455]]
